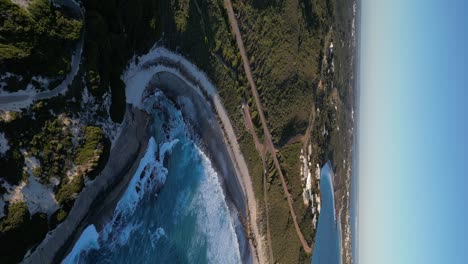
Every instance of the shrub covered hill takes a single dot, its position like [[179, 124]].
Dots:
[[58, 145], [301, 56], [29, 37], [51, 150]]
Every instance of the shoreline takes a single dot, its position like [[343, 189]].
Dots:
[[180, 81], [102, 193], [348, 220], [163, 68], [202, 123], [349, 226]]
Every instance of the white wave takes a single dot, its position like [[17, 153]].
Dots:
[[141, 69], [213, 218], [149, 175], [327, 173], [214, 225], [138, 185], [125, 234], [87, 241], [166, 148], [181, 203], [156, 235]]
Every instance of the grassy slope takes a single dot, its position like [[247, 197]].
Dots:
[[284, 47], [284, 41]]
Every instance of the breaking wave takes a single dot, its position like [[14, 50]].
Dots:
[[174, 208]]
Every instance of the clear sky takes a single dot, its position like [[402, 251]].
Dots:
[[413, 146]]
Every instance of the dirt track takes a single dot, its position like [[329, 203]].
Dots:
[[268, 141]]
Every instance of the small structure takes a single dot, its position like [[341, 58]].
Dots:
[[317, 172], [309, 184], [305, 198]]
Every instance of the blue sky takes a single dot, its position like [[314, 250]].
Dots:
[[413, 181]]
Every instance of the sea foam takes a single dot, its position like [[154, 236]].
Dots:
[[189, 221], [88, 240]]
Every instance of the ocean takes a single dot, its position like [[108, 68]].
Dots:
[[174, 209]]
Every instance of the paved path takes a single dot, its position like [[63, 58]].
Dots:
[[268, 140], [23, 99]]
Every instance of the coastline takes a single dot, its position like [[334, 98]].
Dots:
[[332, 230], [354, 201], [348, 220], [202, 123], [102, 193], [189, 87], [205, 115]]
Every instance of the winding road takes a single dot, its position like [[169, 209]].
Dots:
[[23, 99], [268, 140]]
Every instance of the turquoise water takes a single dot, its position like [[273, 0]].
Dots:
[[327, 247], [174, 210]]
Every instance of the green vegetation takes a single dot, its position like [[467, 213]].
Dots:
[[29, 39], [53, 147], [68, 192], [18, 214], [91, 148], [254, 163], [115, 31], [49, 140], [62, 214], [207, 41], [284, 42], [12, 165], [24, 129], [19, 231], [285, 242], [290, 162]]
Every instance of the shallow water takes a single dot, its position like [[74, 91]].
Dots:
[[174, 210], [327, 247]]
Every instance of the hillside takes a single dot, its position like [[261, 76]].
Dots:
[[300, 55]]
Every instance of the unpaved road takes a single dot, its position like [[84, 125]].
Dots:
[[268, 141], [262, 152]]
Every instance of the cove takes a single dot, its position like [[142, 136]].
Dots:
[[327, 246]]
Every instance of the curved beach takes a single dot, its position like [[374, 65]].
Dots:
[[202, 109], [199, 102]]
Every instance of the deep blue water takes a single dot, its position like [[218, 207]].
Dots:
[[174, 209], [327, 247]]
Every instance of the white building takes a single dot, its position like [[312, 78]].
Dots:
[[317, 172]]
